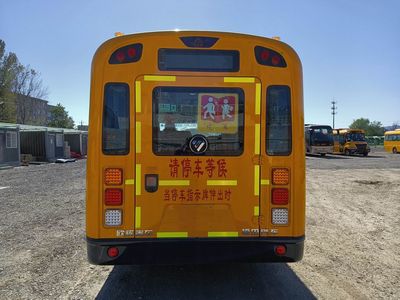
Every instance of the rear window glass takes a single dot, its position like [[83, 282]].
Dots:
[[279, 121], [116, 119], [179, 113]]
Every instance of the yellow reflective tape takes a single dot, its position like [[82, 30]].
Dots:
[[258, 98], [159, 78], [256, 180], [138, 217], [256, 210], [138, 179], [257, 139], [223, 234], [221, 182], [172, 234], [240, 79], [138, 96], [264, 182], [174, 182], [138, 137], [129, 181]]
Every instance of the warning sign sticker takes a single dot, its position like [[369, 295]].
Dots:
[[218, 113]]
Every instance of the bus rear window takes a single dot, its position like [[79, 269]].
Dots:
[[279, 121], [179, 113], [116, 119], [198, 60]]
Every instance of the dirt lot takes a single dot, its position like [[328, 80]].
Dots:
[[352, 244]]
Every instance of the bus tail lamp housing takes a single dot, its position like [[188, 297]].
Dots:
[[280, 176], [126, 54], [113, 176], [280, 196], [269, 57], [113, 217], [113, 197]]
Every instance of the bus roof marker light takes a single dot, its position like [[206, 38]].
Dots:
[[269, 57], [127, 54]]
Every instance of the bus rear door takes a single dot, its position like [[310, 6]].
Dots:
[[197, 155]]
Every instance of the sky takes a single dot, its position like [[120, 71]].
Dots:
[[350, 50]]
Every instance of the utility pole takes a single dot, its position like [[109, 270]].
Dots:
[[334, 111]]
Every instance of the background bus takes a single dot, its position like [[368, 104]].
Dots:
[[392, 141], [350, 141], [319, 139], [191, 156]]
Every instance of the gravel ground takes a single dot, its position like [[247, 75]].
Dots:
[[352, 247]]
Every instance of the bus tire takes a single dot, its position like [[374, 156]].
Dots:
[[365, 153], [394, 150], [346, 152], [322, 154]]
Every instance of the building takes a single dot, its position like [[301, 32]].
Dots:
[[9, 145]]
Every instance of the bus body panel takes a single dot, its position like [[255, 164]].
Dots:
[[241, 218]]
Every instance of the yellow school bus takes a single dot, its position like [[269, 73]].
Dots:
[[350, 141], [391, 142], [196, 150]]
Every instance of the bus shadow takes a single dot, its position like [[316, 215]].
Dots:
[[329, 156], [230, 281]]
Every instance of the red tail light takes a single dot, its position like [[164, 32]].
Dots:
[[127, 54], [280, 250], [112, 252], [269, 57], [113, 197], [280, 196]]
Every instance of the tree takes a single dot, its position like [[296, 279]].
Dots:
[[8, 71], [17, 84], [27, 84], [60, 118], [373, 128]]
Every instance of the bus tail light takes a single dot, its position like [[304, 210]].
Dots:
[[280, 176], [127, 54], [112, 252], [113, 217], [280, 250], [280, 216], [113, 176], [113, 197], [280, 196], [269, 57]]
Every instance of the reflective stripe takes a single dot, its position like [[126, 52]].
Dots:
[[172, 234], [223, 234], [138, 137], [129, 181], [138, 96], [257, 139], [256, 180], [138, 217], [264, 181], [173, 182], [138, 179], [258, 98], [240, 79], [221, 182], [256, 210], [159, 78]]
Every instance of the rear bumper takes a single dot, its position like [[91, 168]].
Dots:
[[192, 251]]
